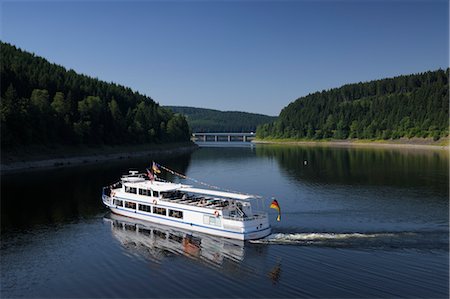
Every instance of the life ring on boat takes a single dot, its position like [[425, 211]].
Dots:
[[216, 213], [155, 202]]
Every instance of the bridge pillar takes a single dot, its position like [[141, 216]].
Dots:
[[229, 138], [215, 138], [244, 138], [204, 138]]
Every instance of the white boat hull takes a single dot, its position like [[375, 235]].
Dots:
[[251, 235]]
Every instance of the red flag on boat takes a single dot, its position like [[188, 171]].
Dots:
[[150, 175], [276, 206]]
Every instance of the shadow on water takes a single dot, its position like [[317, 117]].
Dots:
[[65, 195]]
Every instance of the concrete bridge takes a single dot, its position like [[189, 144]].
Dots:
[[223, 137]]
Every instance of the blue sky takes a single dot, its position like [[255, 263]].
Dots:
[[255, 56]]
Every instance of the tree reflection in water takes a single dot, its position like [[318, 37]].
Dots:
[[362, 166]]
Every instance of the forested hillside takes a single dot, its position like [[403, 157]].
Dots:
[[405, 106], [208, 120], [43, 103]]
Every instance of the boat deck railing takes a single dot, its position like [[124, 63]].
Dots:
[[203, 202]]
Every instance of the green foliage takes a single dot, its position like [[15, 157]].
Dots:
[[208, 120], [405, 106], [60, 105], [175, 127], [39, 99], [44, 103]]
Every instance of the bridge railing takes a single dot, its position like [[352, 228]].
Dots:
[[223, 137]]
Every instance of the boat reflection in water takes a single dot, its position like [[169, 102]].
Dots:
[[155, 242]]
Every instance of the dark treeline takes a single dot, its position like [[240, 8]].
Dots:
[[43, 103], [208, 120], [405, 106]]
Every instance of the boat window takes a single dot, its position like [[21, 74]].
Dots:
[[145, 192], [155, 194], [160, 211], [145, 208], [130, 189], [118, 202], [130, 205], [175, 214], [211, 220]]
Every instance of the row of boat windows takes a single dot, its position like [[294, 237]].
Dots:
[[211, 220], [149, 192], [148, 209], [144, 192]]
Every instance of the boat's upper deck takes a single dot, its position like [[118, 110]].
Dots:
[[184, 194], [168, 187]]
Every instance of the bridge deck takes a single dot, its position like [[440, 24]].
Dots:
[[220, 136], [224, 134]]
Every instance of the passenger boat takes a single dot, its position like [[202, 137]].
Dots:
[[220, 213]]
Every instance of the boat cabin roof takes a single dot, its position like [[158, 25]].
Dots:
[[155, 185]]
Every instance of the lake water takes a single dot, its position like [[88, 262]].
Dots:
[[355, 223]]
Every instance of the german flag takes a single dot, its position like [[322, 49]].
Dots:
[[276, 206]]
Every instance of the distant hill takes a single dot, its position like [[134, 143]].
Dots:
[[405, 106], [208, 120]]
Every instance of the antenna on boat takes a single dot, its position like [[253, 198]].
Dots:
[[203, 183]]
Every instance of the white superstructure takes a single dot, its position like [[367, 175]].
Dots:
[[213, 212]]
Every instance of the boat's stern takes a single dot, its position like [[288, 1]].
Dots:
[[257, 227], [258, 234], [251, 227]]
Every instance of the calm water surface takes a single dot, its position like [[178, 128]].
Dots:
[[355, 223]]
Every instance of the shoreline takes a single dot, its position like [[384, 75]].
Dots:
[[358, 143], [91, 158]]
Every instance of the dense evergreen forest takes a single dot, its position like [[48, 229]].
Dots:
[[208, 120], [405, 106], [43, 104]]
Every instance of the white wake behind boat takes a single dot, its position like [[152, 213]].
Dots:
[[219, 213]]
